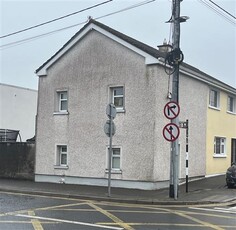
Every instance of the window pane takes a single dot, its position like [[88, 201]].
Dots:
[[222, 148], [217, 145], [118, 91], [64, 95], [64, 149], [118, 101], [116, 162], [231, 104], [63, 159], [213, 98], [63, 105], [116, 151]]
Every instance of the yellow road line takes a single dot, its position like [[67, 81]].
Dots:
[[35, 222], [71, 222], [59, 206], [111, 216], [204, 223]]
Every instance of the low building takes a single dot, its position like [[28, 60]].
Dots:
[[18, 107]]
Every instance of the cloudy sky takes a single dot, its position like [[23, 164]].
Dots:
[[208, 38]]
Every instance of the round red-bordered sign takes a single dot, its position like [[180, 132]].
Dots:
[[171, 132], [171, 110]]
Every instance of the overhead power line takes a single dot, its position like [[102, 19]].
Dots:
[[56, 19], [222, 9], [19, 42], [219, 10]]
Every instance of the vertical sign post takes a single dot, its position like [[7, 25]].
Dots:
[[186, 155], [185, 125], [109, 129], [110, 154], [171, 133]]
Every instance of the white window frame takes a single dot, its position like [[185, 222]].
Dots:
[[230, 97], [58, 156], [217, 103], [61, 100], [114, 170], [222, 146], [113, 96]]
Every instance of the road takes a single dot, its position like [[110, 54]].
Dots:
[[35, 212]]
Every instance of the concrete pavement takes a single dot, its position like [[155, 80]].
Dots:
[[207, 190]]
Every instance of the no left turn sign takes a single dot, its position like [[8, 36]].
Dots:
[[171, 132]]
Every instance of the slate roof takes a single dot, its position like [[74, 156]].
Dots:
[[142, 46]]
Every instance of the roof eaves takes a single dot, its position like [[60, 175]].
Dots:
[[69, 41]]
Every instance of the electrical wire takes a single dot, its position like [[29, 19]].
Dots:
[[127, 8], [53, 20], [19, 42], [222, 9], [218, 11]]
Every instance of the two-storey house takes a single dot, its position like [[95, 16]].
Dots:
[[100, 65]]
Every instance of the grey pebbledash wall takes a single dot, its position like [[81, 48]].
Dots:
[[17, 160]]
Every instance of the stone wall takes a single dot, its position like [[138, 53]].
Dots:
[[17, 160]]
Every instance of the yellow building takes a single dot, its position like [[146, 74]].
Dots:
[[221, 129]]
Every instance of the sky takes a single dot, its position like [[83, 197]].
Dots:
[[207, 39]]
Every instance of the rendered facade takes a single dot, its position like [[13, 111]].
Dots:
[[97, 66], [221, 130], [18, 108]]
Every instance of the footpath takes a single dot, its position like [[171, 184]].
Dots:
[[202, 191]]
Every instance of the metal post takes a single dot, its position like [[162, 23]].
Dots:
[[175, 97], [110, 155], [186, 156]]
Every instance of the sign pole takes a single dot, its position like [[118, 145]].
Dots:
[[184, 125], [109, 129], [110, 154], [186, 156]]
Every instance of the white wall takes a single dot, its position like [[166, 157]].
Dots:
[[18, 108]]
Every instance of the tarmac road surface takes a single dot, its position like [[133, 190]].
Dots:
[[22, 211]]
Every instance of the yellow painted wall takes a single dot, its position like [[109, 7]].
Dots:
[[220, 123]]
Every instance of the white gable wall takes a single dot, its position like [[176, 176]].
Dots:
[[87, 71]]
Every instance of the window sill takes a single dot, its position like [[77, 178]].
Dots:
[[215, 108], [219, 156], [120, 110], [61, 166], [232, 113], [61, 113], [114, 171]]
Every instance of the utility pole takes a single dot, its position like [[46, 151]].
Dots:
[[174, 161]]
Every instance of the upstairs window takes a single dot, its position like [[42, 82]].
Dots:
[[231, 104], [118, 97], [63, 102], [214, 98], [220, 146]]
